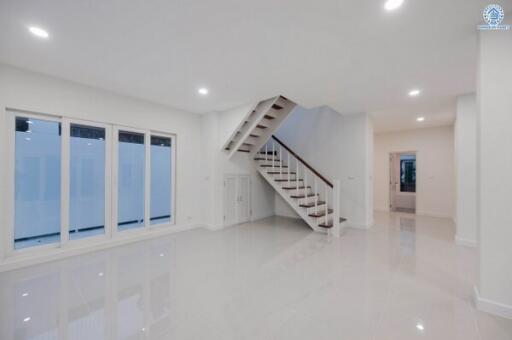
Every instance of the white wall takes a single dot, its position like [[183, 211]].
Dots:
[[216, 128], [435, 173], [339, 147], [30, 91], [494, 93], [466, 170]]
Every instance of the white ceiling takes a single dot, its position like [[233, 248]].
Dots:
[[350, 55], [437, 112]]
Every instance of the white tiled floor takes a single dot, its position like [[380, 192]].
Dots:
[[273, 279]]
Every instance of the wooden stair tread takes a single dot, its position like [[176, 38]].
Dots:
[[270, 166], [311, 204], [329, 223], [265, 159], [277, 107], [243, 150], [279, 173], [286, 180], [321, 213], [303, 196], [295, 188], [259, 126], [324, 225], [269, 117]]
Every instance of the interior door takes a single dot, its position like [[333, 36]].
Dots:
[[244, 209], [392, 182], [230, 200]]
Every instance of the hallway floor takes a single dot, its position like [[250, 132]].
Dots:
[[272, 279]]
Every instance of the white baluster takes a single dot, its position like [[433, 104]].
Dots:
[[289, 168], [305, 182], [266, 153], [317, 197], [297, 176], [326, 205], [281, 159], [273, 155]]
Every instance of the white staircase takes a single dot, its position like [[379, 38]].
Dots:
[[258, 125], [313, 197]]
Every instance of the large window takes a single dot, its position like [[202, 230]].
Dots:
[[131, 180], [161, 163], [87, 181], [408, 173], [73, 180], [37, 182]]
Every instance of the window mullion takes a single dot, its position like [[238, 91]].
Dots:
[[147, 181], [114, 181], [64, 182]]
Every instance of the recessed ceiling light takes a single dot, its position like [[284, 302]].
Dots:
[[39, 32], [161, 254], [391, 5], [100, 274], [414, 93], [28, 138], [24, 294], [203, 91], [420, 119], [27, 319], [420, 327]]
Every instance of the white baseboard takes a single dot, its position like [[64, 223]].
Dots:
[[212, 227], [54, 254], [295, 217], [433, 214], [465, 242], [262, 216], [491, 307], [359, 225]]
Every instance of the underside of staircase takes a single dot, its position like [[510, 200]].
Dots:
[[258, 125], [310, 194]]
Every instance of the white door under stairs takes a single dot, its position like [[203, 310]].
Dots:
[[236, 199]]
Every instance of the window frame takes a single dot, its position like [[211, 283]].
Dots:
[[12, 114], [108, 179], [173, 177], [111, 181]]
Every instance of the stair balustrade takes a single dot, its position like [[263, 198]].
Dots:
[[311, 191]]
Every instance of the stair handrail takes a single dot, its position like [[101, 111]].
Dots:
[[306, 164]]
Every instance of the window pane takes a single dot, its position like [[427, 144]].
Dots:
[[37, 182], [87, 181], [160, 180], [408, 173], [130, 203]]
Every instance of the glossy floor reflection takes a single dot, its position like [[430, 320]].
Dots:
[[273, 279]]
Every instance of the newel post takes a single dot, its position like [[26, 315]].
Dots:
[[336, 202]]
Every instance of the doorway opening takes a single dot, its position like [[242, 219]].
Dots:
[[402, 182]]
